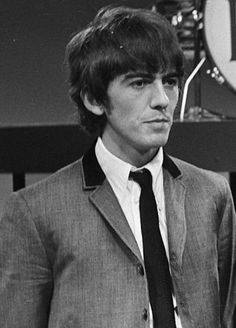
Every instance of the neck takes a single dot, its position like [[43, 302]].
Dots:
[[131, 155]]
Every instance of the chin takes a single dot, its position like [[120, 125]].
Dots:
[[152, 145], [152, 141], [160, 141]]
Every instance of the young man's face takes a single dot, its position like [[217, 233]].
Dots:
[[140, 114]]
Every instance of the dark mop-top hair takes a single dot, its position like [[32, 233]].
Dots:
[[117, 41]]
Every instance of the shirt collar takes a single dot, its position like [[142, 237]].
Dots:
[[155, 166], [117, 171]]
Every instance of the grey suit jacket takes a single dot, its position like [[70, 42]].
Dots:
[[68, 258]]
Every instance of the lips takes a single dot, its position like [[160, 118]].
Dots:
[[159, 120]]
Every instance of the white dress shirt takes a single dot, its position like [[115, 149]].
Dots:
[[128, 193]]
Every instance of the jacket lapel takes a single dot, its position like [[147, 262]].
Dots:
[[106, 202], [104, 199], [175, 191]]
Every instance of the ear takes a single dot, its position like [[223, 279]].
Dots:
[[92, 105]]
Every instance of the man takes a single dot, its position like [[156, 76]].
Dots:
[[125, 236]]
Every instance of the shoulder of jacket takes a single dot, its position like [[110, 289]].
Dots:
[[56, 181], [191, 172]]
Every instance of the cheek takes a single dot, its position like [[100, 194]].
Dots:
[[176, 94], [124, 110], [173, 98]]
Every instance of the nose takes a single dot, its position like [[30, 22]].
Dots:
[[160, 99]]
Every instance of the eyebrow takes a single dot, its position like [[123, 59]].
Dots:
[[144, 74], [171, 74], [136, 74]]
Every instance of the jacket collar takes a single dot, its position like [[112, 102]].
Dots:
[[94, 176], [171, 167]]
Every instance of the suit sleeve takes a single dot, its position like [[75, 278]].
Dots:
[[25, 274], [227, 258]]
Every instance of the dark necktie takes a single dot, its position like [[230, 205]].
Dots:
[[156, 263]]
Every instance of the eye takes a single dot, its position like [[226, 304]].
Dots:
[[171, 81], [139, 83]]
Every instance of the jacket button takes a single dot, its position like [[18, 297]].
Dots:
[[140, 269], [145, 314]]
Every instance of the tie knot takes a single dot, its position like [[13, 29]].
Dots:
[[142, 177]]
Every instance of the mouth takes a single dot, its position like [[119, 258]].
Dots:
[[159, 120]]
